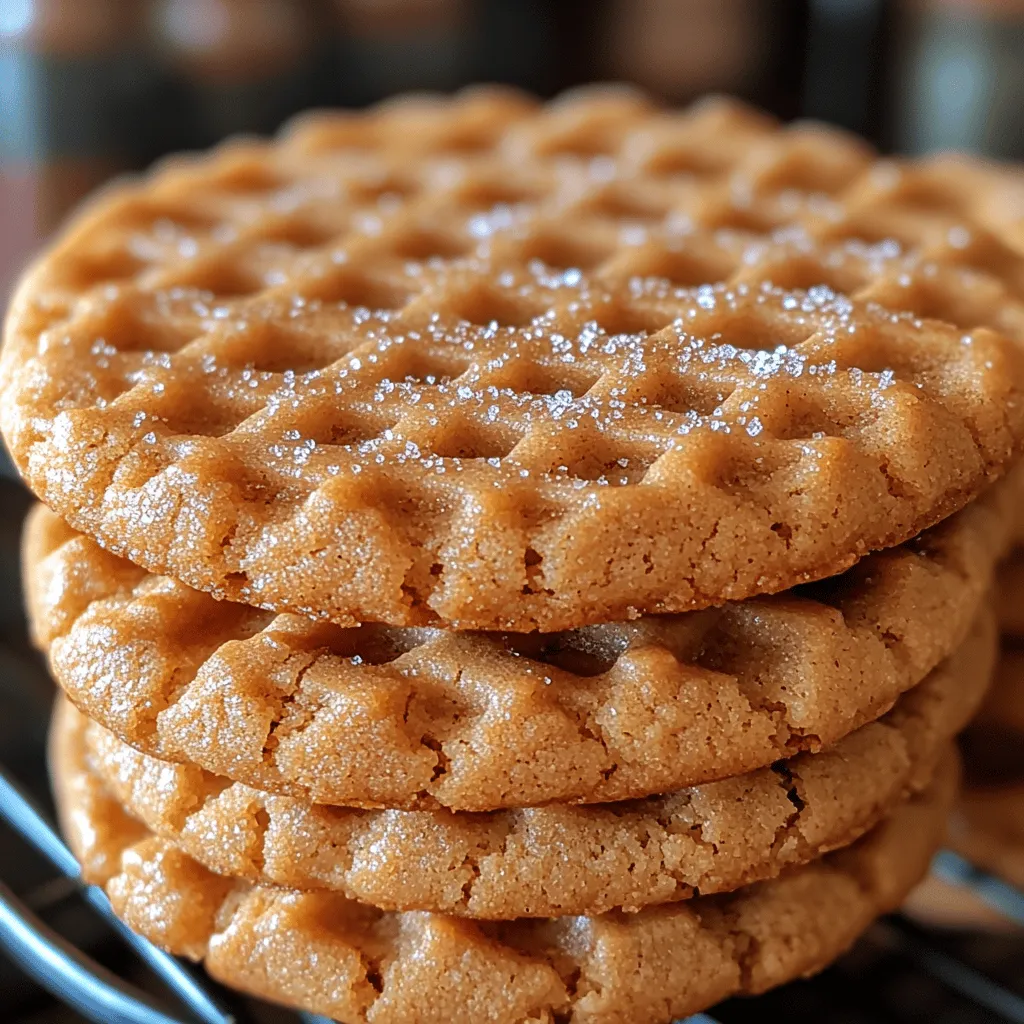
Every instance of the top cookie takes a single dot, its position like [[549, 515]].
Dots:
[[491, 365]]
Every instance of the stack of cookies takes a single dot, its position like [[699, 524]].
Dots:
[[511, 562]]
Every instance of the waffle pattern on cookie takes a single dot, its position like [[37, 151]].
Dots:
[[378, 716], [499, 366], [324, 953], [559, 859]]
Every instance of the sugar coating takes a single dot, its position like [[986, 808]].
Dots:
[[559, 859], [427, 718], [324, 953], [494, 365]]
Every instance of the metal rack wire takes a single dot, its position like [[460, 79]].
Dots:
[[187, 996]]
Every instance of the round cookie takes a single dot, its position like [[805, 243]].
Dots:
[[326, 954], [557, 859], [377, 716], [490, 365], [988, 827]]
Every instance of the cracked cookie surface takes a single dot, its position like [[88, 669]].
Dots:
[[558, 859], [493, 365], [424, 718], [326, 954]]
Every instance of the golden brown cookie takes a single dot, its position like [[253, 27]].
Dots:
[[558, 859], [379, 716], [324, 953], [503, 366]]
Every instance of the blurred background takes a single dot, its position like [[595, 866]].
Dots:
[[89, 88], [94, 88]]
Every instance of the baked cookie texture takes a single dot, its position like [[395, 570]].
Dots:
[[523, 562], [326, 954], [406, 718], [557, 860], [493, 365]]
